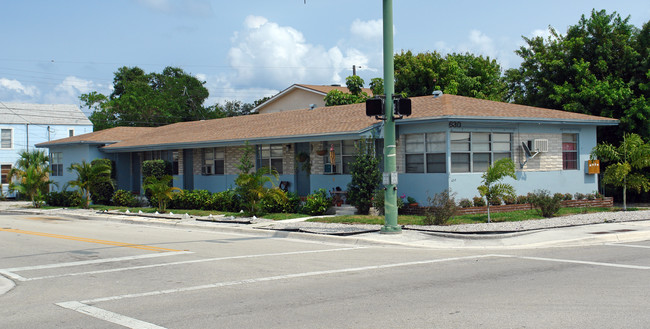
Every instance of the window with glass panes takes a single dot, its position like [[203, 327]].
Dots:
[[5, 139], [425, 152], [271, 156], [213, 161], [476, 151], [344, 152], [56, 162], [569, 151]]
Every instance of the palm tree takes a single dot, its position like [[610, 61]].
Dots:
[[491, 187], [89, 175], [30, 175], [160, 189], [627, 163], [252, 184]]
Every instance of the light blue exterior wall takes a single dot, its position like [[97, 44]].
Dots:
[[24, 137], [530, 178], [329, 182], [74, 154]]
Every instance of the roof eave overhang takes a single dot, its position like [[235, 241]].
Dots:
[[74, 143], [366, 132], [407, 121]]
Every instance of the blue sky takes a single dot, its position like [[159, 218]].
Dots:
[[53, 51]]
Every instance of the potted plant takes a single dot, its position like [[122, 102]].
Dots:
[[411, 201], [321, 152]]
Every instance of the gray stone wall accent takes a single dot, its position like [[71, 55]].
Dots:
[[544, 161], [180, 161], [233, 155], [317, 161], [288, 160], [197, 161]]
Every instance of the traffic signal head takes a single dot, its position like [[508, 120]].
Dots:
[[374, 107], [403, 106]]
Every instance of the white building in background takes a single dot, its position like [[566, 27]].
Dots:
[[23, 125]]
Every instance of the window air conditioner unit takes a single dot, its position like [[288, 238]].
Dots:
[[540, 145]]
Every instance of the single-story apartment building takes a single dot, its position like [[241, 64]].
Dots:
[[446, 144]]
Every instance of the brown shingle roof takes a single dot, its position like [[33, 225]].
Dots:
[[320, 121], [461, 106], [105, 136]]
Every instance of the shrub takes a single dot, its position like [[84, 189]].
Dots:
[[509, 199], [122, 198], [272, 204], [378, 201], [317, 203], [598, 195], [441, 208], [558, 196], [590, 196], [580, 196], [568, 196], [227, 200], [522, 199], [63, 199], [546, 204], [465, 203], [195, 199], [156, 168], [495, 201], [102, 192], [478, 201]]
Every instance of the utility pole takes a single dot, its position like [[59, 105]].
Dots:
[[390, 151]]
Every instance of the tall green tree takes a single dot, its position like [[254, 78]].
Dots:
[[366, 176], [492, 186], [626, 164], [30, 176], [89, 175], [599, 67], [142, 99], [458, 74]]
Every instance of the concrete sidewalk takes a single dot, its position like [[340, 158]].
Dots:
[[578, 235]]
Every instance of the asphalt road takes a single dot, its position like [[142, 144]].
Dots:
[[72, 273]]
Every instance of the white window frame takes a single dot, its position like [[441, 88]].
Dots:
[[56, 163], [11, 139], [468, 151], [424, 147], [214, 161], [268, 154], [344, 151], [574, 151]]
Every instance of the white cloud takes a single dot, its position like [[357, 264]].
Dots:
[[69, 90], [267, 54], [14, 90], [369, 30], [544, 33], [182, 7]]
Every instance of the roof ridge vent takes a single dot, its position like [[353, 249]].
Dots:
[[436, 93]]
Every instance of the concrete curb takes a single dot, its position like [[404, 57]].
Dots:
[[409, 238]]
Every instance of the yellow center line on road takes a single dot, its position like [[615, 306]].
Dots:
[[74, 238]]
